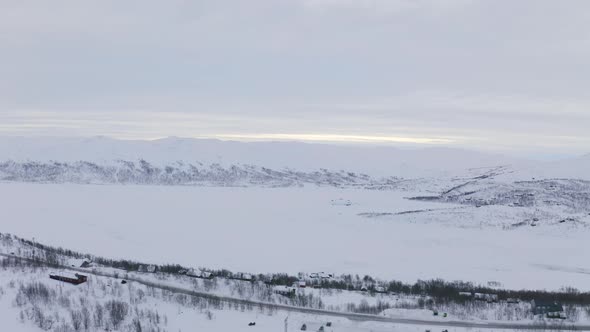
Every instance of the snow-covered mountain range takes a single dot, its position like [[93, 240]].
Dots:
[[180, 173], [373, 160], [178, 161]]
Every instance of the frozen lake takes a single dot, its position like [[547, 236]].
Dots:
[[292, 230]]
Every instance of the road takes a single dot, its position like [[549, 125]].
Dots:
[[321, 312]]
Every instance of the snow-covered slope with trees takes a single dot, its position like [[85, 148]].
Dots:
[[122, 296]]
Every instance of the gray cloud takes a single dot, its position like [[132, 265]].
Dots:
[[488, 74]]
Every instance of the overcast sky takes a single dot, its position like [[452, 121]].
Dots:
[[501, 75]]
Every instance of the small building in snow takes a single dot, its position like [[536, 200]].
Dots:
[[551, 309], [490, 298], [321, 275], [193, 273], [285, 291], [199, 274], [80, 262], [74, 279], [147, 268], [380, 289], [243, 277]]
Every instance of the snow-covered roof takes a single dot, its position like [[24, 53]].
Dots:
[[322, 275], [198, 273]]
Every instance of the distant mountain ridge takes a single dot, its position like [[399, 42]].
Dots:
[[180, 173], [295, 161], [373, 160]]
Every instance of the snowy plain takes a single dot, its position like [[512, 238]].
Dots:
[[292, 230]]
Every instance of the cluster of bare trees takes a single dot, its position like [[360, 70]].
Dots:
[[50, 311], [365, 308], [57, 308], [61, 308]]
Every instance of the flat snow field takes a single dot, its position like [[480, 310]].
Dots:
[[293, 230]]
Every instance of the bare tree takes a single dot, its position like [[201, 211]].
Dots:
[[98, 315], [117, 312], [76, 317], [85, 318], [136, 325]]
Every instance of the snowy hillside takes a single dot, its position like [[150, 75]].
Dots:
[[572, 196], [121, 296]]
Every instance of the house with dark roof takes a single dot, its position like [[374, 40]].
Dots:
[[551, 309], [243, 277], [72, 278], [285, 291]]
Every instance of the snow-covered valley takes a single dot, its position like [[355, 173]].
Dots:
[[419, 214], [259, 208]]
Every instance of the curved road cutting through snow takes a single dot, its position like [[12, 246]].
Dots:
[[351, 316]]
